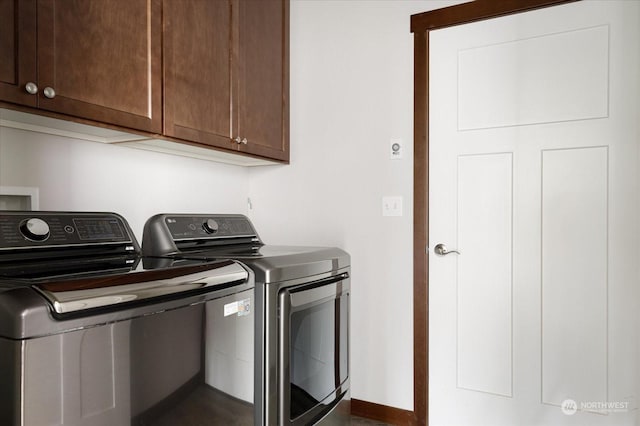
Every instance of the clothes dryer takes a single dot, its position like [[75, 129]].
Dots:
[[302, 312]]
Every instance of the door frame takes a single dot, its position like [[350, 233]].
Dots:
[[421, 25]]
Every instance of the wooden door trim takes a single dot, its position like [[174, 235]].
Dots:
[[421, 25]]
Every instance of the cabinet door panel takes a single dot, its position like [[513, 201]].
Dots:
[[263, 77], [17, 50], [197, 71], [102, 58]]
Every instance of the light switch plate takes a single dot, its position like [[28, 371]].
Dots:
[[392, 206]]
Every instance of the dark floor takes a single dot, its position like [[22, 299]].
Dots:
[[360, 421], [206, 402]]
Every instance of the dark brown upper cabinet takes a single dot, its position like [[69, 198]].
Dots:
[[17, 50], [226, 71], [96, 60], [197, 71], [208, 73]]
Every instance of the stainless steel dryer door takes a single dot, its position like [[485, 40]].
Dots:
[[313, 349]]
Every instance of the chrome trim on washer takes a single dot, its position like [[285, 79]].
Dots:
[[64, 302]]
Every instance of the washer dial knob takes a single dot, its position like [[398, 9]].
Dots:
[[35, 229], [210, 226]]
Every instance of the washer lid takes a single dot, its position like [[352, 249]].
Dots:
[[34, 307]]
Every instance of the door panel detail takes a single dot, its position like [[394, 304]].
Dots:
[[538, 80], [485, 294], [574, 274]]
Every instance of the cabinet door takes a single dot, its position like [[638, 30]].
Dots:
[[102, 59], [17, 50], [263, 77], [197, 71]]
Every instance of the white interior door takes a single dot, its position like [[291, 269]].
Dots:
[[534, 180]]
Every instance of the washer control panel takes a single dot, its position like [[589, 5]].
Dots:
[[41, 229]]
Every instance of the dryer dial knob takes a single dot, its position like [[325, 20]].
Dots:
[[210, 226], [35, 229]]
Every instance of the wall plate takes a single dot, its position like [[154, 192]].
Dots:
[[396, 149], [392, 206]]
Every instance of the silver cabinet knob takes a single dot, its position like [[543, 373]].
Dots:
[[31, 88], [49, 92], [441, 250], [241, 141]]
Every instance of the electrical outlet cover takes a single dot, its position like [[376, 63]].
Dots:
[[392, 206]]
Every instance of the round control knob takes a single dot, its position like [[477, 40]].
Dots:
[[210, 226], [35, 229]]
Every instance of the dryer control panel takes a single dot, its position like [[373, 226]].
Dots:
[[174, 233], [185, 227]]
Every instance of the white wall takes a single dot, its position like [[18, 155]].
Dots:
[[89, 176], [351, 91]]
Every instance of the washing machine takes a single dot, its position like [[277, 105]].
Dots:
[[93, 333]]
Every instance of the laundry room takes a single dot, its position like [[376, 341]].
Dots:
[[350, 95], [342, 174]]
